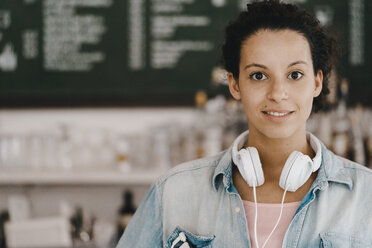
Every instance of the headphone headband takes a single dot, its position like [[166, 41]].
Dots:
[[317, 148], [238, 144]]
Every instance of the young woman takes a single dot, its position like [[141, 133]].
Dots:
[[277, 185]]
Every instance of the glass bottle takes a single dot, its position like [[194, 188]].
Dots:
[[341, 137], [126, 212]]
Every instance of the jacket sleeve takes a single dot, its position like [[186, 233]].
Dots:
[[145, 228]]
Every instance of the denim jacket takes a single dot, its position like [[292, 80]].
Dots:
[[199, 199]]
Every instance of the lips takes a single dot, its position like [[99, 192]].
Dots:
[[278, 115]]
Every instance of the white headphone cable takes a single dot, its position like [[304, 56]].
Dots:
[[255, 215], [280, 216]]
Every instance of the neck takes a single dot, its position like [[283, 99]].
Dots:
[[274, 152]]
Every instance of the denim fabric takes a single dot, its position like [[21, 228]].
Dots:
[[199, 199]]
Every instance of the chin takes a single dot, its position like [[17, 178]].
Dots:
[[278, 133]]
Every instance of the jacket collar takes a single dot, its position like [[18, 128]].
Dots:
[[223, 171], [332, 169]]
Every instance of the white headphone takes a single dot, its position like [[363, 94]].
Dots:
[[296, 170]]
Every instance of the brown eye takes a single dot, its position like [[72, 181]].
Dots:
[[258, 76], [295, 75]]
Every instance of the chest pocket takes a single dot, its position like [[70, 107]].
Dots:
[[337, 240], [181, 238]]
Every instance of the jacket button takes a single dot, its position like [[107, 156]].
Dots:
[[237, 209]]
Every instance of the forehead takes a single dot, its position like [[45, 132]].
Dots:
[[266, 46]]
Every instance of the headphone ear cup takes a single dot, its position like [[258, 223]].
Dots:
[[296, 171], [251, 167]]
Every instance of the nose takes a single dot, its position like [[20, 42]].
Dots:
[[277, 91]]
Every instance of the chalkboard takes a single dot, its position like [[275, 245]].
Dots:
[[142, 52]]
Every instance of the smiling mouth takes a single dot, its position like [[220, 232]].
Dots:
[[278, 114]]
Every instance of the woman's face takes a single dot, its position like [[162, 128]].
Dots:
[[276, 82]]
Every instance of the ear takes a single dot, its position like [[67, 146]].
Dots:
[[318, 83], [233, 86]]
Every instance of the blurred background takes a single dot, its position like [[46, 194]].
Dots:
[[98, 98]]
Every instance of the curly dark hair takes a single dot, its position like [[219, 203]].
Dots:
[[274, 15]]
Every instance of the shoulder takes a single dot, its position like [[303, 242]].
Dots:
[[191, 171], [340, 168], [353, 201], [357, 176], [354, 169]]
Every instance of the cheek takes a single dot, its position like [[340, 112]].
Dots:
[[305, 94], [305, 104], [251, 99]]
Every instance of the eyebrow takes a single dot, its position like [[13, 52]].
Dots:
[[297, 62], [254, 65], [264, 67]]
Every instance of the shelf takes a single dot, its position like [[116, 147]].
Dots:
[[77, 177]]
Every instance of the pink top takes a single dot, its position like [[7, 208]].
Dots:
[[268, 214]]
